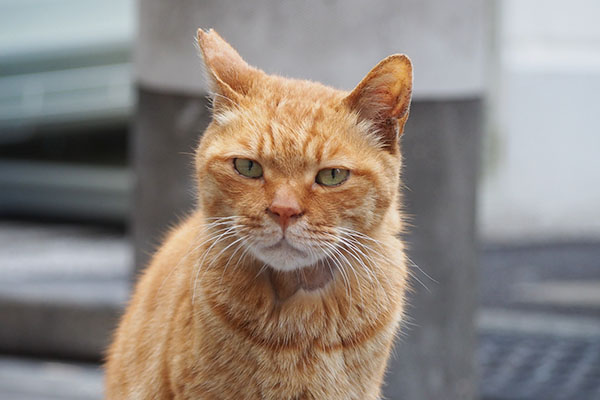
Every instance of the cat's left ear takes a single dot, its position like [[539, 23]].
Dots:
[[383, 97], [231, 77]]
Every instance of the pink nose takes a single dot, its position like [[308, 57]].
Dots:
[[284, 208]]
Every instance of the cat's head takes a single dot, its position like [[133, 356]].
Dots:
[[293, 168]]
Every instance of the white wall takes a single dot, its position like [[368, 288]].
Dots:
[[542, 163]]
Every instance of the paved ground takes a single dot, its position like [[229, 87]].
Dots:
[[540, 366], [539, 321]]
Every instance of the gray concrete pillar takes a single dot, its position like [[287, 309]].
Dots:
[[435, 356], [337, 43], [166, 130]]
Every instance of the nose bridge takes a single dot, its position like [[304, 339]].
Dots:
[[286, 196], [285, 204]]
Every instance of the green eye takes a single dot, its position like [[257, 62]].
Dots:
[[248, 168], [332, 176]]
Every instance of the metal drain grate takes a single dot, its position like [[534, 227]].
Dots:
[[528, 367]]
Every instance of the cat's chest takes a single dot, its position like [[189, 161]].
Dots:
[[238, 369], [312, 350]]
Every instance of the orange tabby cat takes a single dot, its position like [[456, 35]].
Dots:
[[288, 280]]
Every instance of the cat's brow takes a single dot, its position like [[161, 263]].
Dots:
[[344, 163], [225, 117]]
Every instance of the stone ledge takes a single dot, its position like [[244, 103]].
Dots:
[[65, 329], [62, 288], [35, 379]]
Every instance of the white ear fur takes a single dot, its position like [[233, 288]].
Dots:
[[229, 75]]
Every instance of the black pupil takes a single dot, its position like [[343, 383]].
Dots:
[[250, 164], [334, 172]]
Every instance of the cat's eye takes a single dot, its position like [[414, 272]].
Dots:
[[248, 168], [332, 176]]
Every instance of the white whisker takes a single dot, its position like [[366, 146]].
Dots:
[[229, 232], [189, 251], [239, 246]]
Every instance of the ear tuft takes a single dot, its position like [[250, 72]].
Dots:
[[383, 97]]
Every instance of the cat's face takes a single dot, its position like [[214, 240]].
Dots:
[[292, 169]]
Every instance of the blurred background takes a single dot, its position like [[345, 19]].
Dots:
[[102, 102]]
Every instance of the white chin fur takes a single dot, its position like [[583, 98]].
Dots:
[[284, 257], [286, 253]]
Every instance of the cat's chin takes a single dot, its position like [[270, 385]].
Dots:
[[293, 270], [284, 257]]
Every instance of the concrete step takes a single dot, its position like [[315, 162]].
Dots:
[[525, 322], [62, 288], [549, 278], [560, 293], [34, 379]]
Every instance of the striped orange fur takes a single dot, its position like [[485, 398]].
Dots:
[[278, 286]]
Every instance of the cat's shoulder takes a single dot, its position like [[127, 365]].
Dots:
[[187, 228], [178, 241]]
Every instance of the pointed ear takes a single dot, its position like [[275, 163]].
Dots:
[[231, 77], [383, 97]]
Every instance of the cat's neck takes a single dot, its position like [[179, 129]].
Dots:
[[286, 284]]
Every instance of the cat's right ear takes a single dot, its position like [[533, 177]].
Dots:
[[230, 76]]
